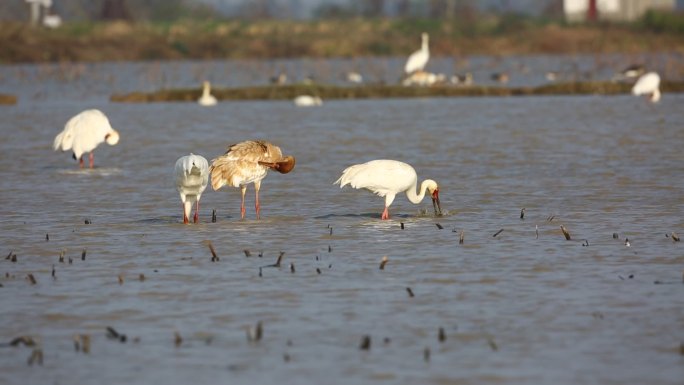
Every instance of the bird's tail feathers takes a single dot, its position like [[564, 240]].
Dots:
[[348, 175], [217, 180], [58, 141]]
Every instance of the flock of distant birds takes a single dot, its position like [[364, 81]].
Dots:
[[248, 162], [647, 83]]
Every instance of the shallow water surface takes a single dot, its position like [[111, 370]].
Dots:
[[515, 308]]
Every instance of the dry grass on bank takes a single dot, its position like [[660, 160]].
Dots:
[[192, 39]]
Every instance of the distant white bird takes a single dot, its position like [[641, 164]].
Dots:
[[418, 59], [422, 78], [83, 133], [248, 162], [192, 176], [551, 76], [307, 101], [52, 20], [387, 178], [354, 77], [649, 85], [207, 99]]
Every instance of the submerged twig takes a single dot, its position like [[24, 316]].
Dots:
[[254, 334], [566, 233], [82, 343], [439, 226], [214, 257], [410, 292], [365, 343], [492, 344], [278, 261], [114, 335], [522, 214], [26, 340], [383, 262], [36, 356], [497, 233]]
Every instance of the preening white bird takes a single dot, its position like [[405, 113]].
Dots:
[[649, 85], [418, 59], [83, 133], [207, 99], [307, 101], [192, 176], [248, 162], [387, 178]]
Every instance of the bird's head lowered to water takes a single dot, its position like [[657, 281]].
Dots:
[[433, 189]]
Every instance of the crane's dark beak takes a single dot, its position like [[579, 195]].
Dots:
[[435, 203]]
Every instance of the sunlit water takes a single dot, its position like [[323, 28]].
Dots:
[[515, 308]]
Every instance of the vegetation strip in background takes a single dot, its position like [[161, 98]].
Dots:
[[327, 92]]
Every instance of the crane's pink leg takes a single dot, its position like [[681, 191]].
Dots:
[[80, 162], [92, 159], [385, 214], [185, 217], [243, 190], [257, 186], [196, 217]]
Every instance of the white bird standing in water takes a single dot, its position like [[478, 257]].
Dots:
[[307, 101], [418, 59], [192, 176], [248, 162], [649, 85], [83, 133], [387, 178], [207, 99]]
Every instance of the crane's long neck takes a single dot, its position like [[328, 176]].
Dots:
[[207, 89], [424, 47], [414, 197]]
